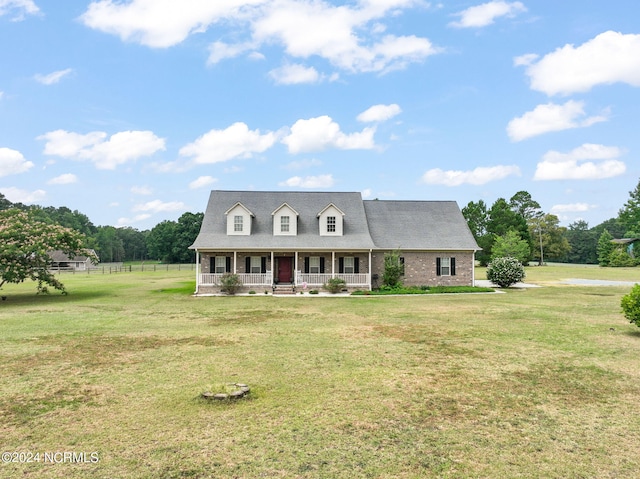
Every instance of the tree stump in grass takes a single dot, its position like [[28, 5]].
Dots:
[[235, 394]]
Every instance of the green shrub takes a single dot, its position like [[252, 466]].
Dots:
[[505, 271], [631, 305], [230, 283], [620, 258], [335, 285], [393, 269]]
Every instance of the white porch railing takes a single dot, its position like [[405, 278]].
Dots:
[[247, 279], [311, 279], [318, 279]]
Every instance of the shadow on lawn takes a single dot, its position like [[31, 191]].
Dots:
[[30, 298]]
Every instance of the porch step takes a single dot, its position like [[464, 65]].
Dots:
[[284, 289]]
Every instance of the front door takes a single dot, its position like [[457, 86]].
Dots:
[[284, 269]]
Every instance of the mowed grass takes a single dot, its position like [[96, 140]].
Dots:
[[533, 383]]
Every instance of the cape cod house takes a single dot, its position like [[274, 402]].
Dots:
[[295, 240]]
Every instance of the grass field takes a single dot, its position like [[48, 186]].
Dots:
[[533, 383]]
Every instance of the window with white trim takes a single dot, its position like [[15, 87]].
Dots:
[[284, 224], [221, 264], [237, 223], [349, 265], [256, 264], [445, 266], [331, 224], [314, 264]]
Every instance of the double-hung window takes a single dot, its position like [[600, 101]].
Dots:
[[349, 265], [445, 266], [284, 224], [221, 264], [314, 264], [256, 264], [237, 223]]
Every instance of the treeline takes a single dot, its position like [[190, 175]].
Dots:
[[516, 227], [520, 228], [168, 241]]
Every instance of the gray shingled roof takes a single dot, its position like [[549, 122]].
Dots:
[[422, 225], [213, 233], [418, 225]]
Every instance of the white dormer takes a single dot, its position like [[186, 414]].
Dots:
[[331, 220], [285, 221], [239, 220]]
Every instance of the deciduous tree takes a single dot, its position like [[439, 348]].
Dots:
[[25, 244]]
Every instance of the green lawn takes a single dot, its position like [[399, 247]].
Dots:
[[542, 382]]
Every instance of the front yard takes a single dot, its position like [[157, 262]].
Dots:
[[541, 382]]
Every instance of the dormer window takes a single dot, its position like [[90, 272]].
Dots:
[[285, 221], [331, 221], [239, 220], [284, 224], [331, 224], [237, 223]]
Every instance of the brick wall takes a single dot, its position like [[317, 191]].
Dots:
[[420, 268]]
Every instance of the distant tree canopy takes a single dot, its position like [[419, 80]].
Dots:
[[25, 244], [169, 241]]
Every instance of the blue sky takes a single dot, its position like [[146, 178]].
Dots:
[[132, 111]]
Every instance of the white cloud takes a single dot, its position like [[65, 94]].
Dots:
[[106, 154], [236, 141], [219, 51], [485, 14], [316, 134], [378, 113], [17, 195], [157, 206], [52, 78], [572, 208], [346, 36], [320, 181], [366, 193], [65, 179], [13, 162], [19, 8], [551, 117], [525, 60], [587, 162], [478, 176], [303, 164], [293, 74], [141, 190], [160, 24], [201, 182], [610, 57], [134, 220]]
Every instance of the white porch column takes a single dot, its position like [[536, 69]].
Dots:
[[235, 261], [370, 270], [273, 265], [295, 267], [333, 264], [197, 271], [473, 268]]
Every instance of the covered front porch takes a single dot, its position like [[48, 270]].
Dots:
[[299, 269]]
